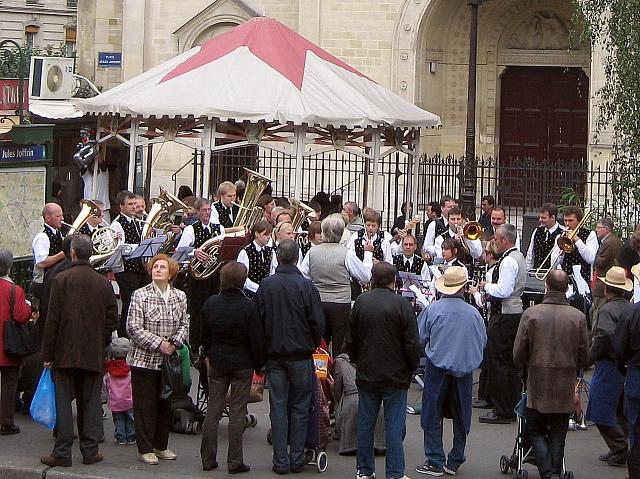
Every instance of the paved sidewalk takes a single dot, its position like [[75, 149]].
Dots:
[[19, 454]]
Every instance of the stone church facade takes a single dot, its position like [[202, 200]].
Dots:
[[535, 85]]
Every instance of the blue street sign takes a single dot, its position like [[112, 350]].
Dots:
[[109, 59], [22, 152]]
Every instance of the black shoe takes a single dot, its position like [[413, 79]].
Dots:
[[606, 456], [8, 430], [297, 468], [279, 470], [97, 457], [492, 418], [430, 470], [482, 404], [240, 469], [210, 467], [618, 459]]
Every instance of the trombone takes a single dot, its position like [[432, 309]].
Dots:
[[566, 245]]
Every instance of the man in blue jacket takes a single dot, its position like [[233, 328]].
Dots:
[[453, 336], [293, 325]]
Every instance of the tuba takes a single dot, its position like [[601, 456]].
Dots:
[[249, 213], [161, 213], [300, 212], [88, 210]]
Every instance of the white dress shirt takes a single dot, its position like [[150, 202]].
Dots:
[[243, 258], [359, 270], [428, 246], [474, 247], [188, 235], [506, 280], [589, 249], [41, 245], [530, 254]]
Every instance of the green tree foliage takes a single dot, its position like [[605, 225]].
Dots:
[[613, 24], [10, 66]]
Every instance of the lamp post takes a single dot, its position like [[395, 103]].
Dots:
[[20, 73], [468, 194]]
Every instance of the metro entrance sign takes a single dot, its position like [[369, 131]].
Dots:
[[9, 94]]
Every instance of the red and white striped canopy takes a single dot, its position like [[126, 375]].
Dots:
[[260, 71]]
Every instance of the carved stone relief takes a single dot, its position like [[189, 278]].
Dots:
[[543, 30]]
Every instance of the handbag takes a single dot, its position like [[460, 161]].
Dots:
[[171, 383], [18, 338], [257, 388]]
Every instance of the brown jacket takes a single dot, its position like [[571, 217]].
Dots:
[[552, 345], [82, 312], [606, 257]]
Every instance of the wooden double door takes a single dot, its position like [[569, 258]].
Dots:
[[543, 133]]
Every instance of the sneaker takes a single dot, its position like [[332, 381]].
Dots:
[[430, 470], [131, 443], [359, 475], [572, 425], [167, 455], [149, 458], [449, 471], [120, 443]]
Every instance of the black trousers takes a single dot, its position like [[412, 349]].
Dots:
[[128, 282], [336, 317], [219, 382], [548, 433], [152, 415], [633, 459], [8, 387], [503, 380], [197, 293], [483, 393], [616, 436], [85, 387]]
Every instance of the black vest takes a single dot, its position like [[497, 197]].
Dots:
[[440, 227], [543, 245], [259, 267], [416, 266], [496, 303], [574, 258], [132, 235], [223, 214], [86, 231], [201, 235], [55, 241], [377, 245]]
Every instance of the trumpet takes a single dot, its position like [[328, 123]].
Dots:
[[565, 244], [472, 230]]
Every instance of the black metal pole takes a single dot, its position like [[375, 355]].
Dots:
[[20, 73], [468, 195]]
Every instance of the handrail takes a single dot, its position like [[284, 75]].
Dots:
[[174, 176]]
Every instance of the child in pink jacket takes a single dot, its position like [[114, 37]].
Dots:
[[118, 382]]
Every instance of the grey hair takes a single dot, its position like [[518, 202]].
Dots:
[[332, 229], [353, 207], [82, 246], [607, 223], [200, 202], [509, 232], [288, 252], [6, 260]]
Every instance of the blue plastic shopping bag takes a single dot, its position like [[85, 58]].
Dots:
[[43, 404]]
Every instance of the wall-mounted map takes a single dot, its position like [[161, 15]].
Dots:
[[22, 196]]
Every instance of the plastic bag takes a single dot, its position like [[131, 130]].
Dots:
[[171, 384], [43, 404]]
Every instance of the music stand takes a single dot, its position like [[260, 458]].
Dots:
[[409, 279], [115, 262], [181, 255], [148, 248], [230, 247]]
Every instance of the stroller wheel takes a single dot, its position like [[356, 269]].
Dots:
[[521, 474], [568, 475], [251, 420], [505, 465], [321, 461]]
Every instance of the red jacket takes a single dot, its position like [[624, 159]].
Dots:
[[21, 313]]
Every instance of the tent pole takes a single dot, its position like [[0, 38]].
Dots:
[[133, 143], [94, 186], [415, 173], [375, 137], [209, 130], [299, 137]]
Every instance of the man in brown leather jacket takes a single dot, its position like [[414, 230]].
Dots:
[[552, 345]]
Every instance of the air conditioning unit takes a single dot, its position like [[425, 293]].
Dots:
[[51, 78]]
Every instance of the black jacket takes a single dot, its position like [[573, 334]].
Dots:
[[610, 318], [231, 332], [382, 340], [291, 315]]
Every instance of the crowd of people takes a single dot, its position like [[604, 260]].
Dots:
[[335, 279]]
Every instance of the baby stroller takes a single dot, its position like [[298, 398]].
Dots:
[[522, 450], [202, 395]]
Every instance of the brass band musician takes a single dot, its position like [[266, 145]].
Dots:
[[225, 210], [47, 245], [586, 243], [543, 238]]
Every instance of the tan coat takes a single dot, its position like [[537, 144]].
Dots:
[[552, 345], [606, 257]]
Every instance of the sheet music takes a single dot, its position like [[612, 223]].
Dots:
[[420, 298], [435, 271], [583, 287]]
